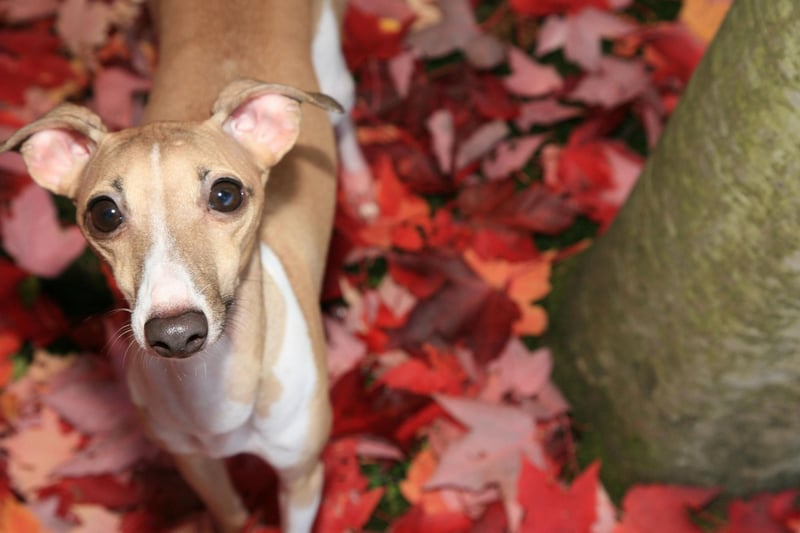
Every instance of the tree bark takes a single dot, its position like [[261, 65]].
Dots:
[[678, 333]]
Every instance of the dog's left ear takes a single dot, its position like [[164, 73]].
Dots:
[[57, 146], [265, 117]]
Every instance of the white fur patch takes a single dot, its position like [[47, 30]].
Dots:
[[329, 63], [166, 284], [283, 433]]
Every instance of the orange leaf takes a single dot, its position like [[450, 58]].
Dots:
[[532, 322], [9, 345], [531, 283], [16, 517], [421, 469], [494, 272], [703, 17]]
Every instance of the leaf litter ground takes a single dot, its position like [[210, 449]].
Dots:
[[501, 138]]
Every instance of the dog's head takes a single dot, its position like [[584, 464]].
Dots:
[[173, 207]]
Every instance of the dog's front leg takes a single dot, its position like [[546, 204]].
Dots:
[[300, 495], [210, 480]]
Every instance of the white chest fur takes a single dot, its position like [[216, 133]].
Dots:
[[188, 404]]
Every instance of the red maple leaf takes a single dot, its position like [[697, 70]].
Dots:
[[441, 372], [764, 513], [464, 308], [107, 490], [534, 209], [370, 36], [348, 502], [24, 64], [662, 509], [549, 506], [416, 520], [538, 8]]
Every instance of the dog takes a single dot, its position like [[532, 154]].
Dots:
[[219, 250]]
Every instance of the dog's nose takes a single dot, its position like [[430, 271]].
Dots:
[[177, 336]]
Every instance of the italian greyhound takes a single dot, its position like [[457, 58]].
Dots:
[[219, 252]]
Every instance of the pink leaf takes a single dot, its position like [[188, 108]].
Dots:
[[529, 78], [511, 156], [616, 81], [480, 142], [440, 125], [95, 519], [457, 31], [401, 68], [492, 451], [485, 51], [110, 452], [580, 35], [345, 350], [114, 88], [544, 112], [14, 11], [83, 24], [519, 371], [35, 451], [376, 449], [88, 397], [33, 236], [396, 298], [625, 169]]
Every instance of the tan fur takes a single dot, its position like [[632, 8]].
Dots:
[[271, 388], [160, 174]]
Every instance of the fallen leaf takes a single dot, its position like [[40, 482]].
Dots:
[[547, 7], [517, 371], [529, 78], [114, 89], [345, 350], [17, 12], [580, 35], [510, 156], [347, 502], [83, 24], [16, 518], [465, 307], [35, 451], [401, 68], [440, 126], [480, 142], [544, 113], [368, 36], [491, 453], [441, 374], [614, 82], [95, 519], [763, 513], [703, 17], [457, 30], [662, 509], [33, 236], [549, 506], [10, 344]]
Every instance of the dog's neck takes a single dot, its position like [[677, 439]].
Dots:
[[270, 41]]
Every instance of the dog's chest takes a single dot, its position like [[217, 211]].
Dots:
[[210, 404]]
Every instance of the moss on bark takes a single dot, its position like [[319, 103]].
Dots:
[[678, 333]]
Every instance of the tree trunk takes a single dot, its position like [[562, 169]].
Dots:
[[678, 332]]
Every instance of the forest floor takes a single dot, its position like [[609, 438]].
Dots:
[[502, 137]]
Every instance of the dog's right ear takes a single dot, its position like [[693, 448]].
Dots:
[[57, 147]]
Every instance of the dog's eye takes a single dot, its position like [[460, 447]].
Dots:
[[226, 195], [104, 214]]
